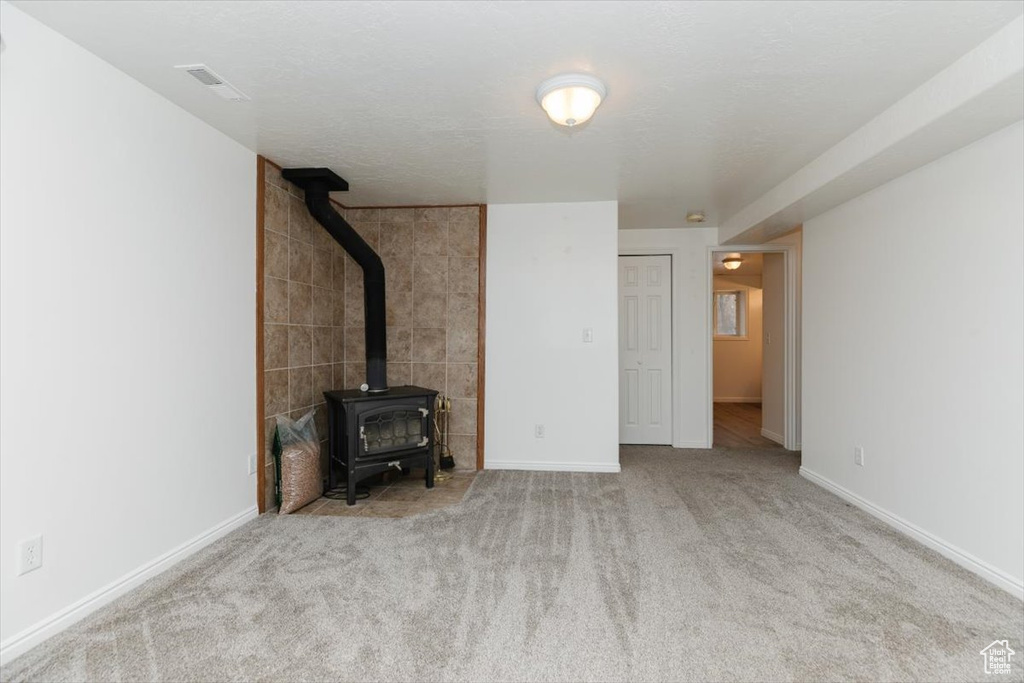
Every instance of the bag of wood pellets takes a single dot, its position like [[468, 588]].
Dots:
[[297, 462]]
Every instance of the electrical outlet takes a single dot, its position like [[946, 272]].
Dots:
[[538, 431], [252, 463], [858, 456], [588, 335], [30, 554]]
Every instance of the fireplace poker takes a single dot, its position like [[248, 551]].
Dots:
[[441, 421]]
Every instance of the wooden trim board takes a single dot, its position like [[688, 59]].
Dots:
[[403, 206], [261, 436], [414, 206], [481, 326]]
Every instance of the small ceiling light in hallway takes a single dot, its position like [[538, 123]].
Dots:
[[571, 99], [732, 262]]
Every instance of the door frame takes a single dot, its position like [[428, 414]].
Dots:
[[673, 330], [791, 354]]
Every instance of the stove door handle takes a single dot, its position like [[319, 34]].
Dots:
[[425, 427]]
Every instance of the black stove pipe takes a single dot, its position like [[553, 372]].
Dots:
[[317, 182]]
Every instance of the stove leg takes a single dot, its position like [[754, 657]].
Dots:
[[350, 492], [430, 471]]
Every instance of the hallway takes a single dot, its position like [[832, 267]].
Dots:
[[738, 425]]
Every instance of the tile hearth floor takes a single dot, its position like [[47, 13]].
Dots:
[[403, 497]]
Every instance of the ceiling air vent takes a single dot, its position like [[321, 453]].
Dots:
[[212, 81]]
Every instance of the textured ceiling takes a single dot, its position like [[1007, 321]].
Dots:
[[710, 103]]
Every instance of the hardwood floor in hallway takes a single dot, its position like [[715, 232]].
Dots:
[[738, 425]]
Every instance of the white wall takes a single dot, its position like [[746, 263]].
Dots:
[[974, 96], [691, 334], [552, 271], [737, 371], [127, 328], [912, 337], [794, 241], [773, 359]]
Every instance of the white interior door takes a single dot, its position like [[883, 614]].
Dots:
[[645, 349]]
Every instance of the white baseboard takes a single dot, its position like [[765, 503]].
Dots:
[[737, 399], [24, 641], [691, 444], [961, 557], [777, 438], [552, 466]]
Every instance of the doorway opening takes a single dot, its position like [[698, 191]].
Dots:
[[753, 348]]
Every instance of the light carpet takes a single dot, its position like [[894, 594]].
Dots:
[[689, 565]]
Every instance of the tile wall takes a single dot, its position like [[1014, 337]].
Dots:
[[303, 313], [431, 263], [313, 309]]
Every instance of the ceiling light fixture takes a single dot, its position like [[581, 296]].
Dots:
[[571, 99], [695, 217], [732, 263]]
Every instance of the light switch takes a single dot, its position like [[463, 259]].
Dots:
[[588, 334]]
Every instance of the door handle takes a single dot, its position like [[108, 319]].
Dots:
[[639, 362]]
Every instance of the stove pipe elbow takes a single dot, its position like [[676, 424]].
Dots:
[[317, 183]]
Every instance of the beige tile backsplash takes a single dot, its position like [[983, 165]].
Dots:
[[313, 309]]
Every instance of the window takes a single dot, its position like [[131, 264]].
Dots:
[[731, 315]]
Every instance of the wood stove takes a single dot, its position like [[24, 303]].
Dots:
[[371, 433], [373, 428]]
